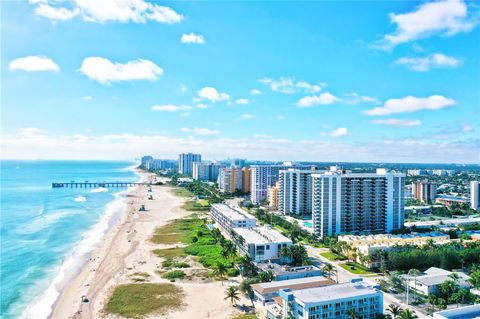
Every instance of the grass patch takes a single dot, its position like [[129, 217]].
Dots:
[[332, 256], [182, 192], [171, 263], [177, 231], [195, 206], [245, 316], [170, 253], [141, 274], [203, 202], [174, 274], [197, 236], [137, 279], [356, 268], [139, 300]]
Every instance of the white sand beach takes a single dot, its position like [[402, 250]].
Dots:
[[127, 249]]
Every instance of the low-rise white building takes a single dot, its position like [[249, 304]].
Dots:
[[429, 283], [467, 312], [228, 217], [330, 302], [260, 243], [264, 292]]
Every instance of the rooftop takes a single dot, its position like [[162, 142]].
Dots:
[[334, 292], [293, 284], [261, 235], [232, 213], [283, 269], [435, 276], [468, 312]]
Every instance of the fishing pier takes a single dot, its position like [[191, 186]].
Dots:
[[95, 184]]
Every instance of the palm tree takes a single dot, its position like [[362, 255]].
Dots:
[[414, 273], [232, 294], [220, 271], [329, 270], [394, 309], [353, 314], [432, 300], [407, 314]]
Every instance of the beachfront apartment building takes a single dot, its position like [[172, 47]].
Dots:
[[474, 195], [160, 164], [346, 202], [228, 217], [185, 163], [272, 196], [328, 302], [295, 191], [467, 312], [234, 179], [265, 176], [206, 171], [260, 243], [424, 191]]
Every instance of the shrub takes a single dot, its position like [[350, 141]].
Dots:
[[174, 274]]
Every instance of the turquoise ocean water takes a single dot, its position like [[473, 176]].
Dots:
[[47, 234]]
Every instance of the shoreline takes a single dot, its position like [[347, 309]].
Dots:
[[67, 292], [126, 249]]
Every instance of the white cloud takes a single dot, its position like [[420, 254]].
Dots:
[[171, 108], [411, 104], [397, 122], [255, 92], [245, 117], [467, 128], [105, 71], [211, 94], [280, 118], [242, 101], [444, 17], [34, 63], [339, 132], [355, 98], [183, 88], [123, 11], [290, 85], [423, 64], [87, 98], [200, 131], [124, 146], [55, 14], [202, 106], [321, 99], [192, 38]]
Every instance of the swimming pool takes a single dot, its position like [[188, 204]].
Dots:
[[308, 224]]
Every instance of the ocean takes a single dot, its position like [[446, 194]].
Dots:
[[47, 234]]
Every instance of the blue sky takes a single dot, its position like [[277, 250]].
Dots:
[[393, 81]]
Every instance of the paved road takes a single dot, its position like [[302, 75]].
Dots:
[[346, 276]]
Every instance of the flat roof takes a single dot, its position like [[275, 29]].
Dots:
[[293, 284], [334, 292], [232, 213], [467, 312], [261, 235]]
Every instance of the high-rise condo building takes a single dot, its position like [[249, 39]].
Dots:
[[295, 191], [265, 176], [145, 159], [424, 191], [474, 195], [346, 202], [272, 195], [234, 179], [185, 163], [206, 171]]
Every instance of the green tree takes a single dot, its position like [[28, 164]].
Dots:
[[432, 300], [329, 270], [447, 288], [266, 276], [232, 294], [353, 314], [394, 309], [220, 271], [407, 314]]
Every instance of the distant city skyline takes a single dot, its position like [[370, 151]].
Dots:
[[310, 81]]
